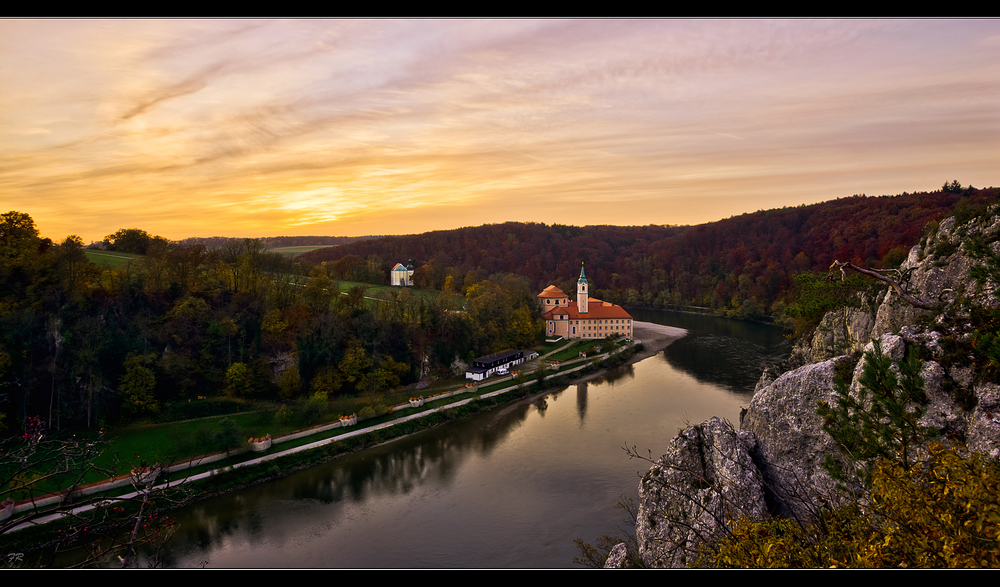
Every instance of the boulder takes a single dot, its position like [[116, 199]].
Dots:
[[841, 332], [706, 477], [791, 444], [983, 433]]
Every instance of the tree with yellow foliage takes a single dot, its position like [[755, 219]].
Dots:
[[942, 511], [918, 503]]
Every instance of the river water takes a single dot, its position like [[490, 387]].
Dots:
[[511, 488]]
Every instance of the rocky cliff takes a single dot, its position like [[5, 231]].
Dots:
[[771, 466]]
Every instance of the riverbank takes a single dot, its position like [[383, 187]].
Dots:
[[240, 475], [654, 338]]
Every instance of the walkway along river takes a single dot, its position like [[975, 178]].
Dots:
[[656, 337], [509, 488]]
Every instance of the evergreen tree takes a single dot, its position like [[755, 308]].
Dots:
[[882, 421]]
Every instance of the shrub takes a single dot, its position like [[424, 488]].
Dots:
[[941, 512], [283, 416], [314, 408]]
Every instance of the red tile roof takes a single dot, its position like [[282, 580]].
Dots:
[[596, 310], [552, 292]]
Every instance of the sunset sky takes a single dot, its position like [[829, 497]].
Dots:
[[352, 127]]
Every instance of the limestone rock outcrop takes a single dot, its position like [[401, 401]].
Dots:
[[790, 441], [772, 466], [685, 497], [941, 263], [844, 331]]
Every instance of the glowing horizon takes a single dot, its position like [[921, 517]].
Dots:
[[354, 127]]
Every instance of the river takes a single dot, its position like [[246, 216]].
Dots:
[[511, 488]]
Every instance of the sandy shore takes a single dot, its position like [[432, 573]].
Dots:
[[654, 338]]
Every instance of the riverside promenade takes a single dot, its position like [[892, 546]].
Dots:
[[654, 338]]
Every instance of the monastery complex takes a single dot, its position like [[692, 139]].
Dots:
[[586, 318]]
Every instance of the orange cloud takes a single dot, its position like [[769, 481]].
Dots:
[[260, 127]]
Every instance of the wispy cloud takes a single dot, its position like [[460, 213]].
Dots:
[[256, 127]]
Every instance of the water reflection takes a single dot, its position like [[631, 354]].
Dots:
[[510, 488], [581, 401], [727, 353], [342, 492]]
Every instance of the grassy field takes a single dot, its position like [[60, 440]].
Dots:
[[109, 259], [293, 251], [178, 440], [115, 259], [384, 292], [584, 346], [172, 441]]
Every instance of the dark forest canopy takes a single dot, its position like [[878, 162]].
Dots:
[[82, 345], [743, 265]]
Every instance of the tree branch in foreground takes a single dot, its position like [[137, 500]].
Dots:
[[913, 301]]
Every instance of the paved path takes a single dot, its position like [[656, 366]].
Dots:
[[656, 336]]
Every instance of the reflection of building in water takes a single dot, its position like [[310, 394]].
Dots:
[[581, 400], [587, 318]]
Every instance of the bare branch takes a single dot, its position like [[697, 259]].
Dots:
[[99, 525], [925, 305]]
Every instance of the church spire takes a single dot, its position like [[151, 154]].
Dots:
[[581, 292]]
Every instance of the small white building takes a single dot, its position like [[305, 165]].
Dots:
[[485, 366], [402, 275]]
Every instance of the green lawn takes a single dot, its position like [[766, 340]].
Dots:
[[293, 251], [384, 292], [110, 259], [548, 347], [180, 440], [573, 351]]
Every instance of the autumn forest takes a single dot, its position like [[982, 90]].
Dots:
[[84, 346]]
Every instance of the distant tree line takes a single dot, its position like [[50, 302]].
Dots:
[[84, 346], [274, 242], [744, 266]]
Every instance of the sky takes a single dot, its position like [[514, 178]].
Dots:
[[347, 127]]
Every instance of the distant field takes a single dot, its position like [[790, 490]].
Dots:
[[292, 251], [383, 291], [115, 260], [109, 259]]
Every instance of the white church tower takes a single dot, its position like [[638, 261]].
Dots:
[[581, 292]]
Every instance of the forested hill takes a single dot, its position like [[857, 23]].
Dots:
[[277, 241], [744, 264]]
